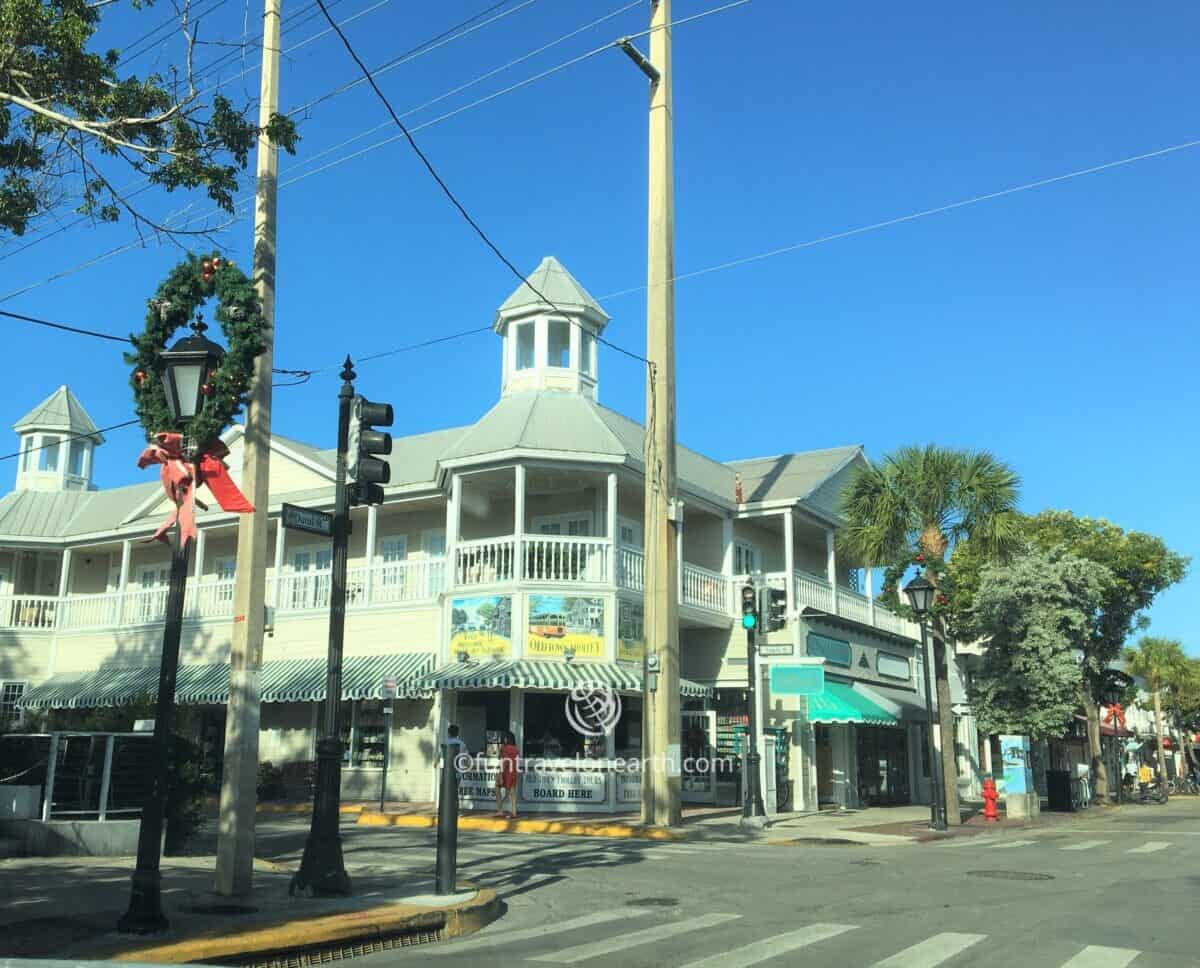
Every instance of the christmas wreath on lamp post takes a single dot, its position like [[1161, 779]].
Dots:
[[187, 395]]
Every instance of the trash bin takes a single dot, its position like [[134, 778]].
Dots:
[[1058, 791]]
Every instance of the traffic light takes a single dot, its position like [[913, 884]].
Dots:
[[365, 473], [749, 608], [776, 617]]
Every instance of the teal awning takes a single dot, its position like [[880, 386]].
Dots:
[[282, 680], [842, 703], [540, 674]]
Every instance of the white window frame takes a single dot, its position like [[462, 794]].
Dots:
[[517, 329], [45, 450], [224, 563], [426, 535], [635, 527], [72, 443], [18, 714], [26, 451], [552, 321], [564, 522], [749, 554]]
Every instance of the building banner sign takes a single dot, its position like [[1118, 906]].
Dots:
[[631, 632], [1014, 754], [561, 622], [560, 786], [479, 783], [629, 787], [481, 627]]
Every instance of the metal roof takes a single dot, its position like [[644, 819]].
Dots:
[[792, 476], [60, 411], [40, 514], [553, 281]]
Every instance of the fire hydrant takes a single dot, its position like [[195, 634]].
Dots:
[[990, 796]]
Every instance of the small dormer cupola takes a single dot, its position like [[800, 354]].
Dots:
[[550, 347], [58, 440]]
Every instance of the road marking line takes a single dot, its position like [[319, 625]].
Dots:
[[1088, 844], [781, 944], [1097, 956], [1012, 843], [524, 934], [582, 952], [1149, 847], [931, 951]]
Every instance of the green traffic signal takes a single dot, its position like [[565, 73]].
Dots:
[[749, 620]]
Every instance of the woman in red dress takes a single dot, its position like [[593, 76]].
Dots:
[[506, 781]]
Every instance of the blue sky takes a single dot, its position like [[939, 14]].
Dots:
[[1055, 327]]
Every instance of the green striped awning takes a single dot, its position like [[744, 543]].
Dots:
[[539, 674], [283, 680], [842, 703]]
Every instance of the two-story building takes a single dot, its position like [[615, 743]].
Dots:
[[504, 567]]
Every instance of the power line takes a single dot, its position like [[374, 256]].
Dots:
[[65, 327], [887, 223]]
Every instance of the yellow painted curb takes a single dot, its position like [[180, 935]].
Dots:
[[498, 825], [305, 933], [306, 808]]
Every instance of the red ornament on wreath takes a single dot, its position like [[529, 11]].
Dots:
[[139, 377]]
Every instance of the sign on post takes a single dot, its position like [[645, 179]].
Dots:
[[781, 648], [797, 680], [306, 519], [389, 688]]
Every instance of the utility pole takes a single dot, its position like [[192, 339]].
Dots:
[[239, 775], [660, 711]]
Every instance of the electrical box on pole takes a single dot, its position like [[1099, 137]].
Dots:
[[365, 472]]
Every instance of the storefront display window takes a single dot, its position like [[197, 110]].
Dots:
[[628, 734], [549, 734], [481, 717]]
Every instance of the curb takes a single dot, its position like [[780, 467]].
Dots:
[[356, 927], [305, 808], [574, 828]]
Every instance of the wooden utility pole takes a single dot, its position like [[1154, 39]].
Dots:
[[660, 716], [239, 776]]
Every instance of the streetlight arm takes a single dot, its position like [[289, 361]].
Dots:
[[642, 61]]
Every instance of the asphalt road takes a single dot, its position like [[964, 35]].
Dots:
[[1102, 891]]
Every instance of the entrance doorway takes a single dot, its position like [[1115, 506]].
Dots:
[[883, 766]]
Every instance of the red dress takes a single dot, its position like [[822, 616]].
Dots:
[[508, 766]]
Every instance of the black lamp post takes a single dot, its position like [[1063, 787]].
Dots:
[[187, 364], [920, 593]]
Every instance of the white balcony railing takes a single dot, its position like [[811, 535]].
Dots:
[[631, 569], [561, 558], [813, 592], [706, 589], [485, 562], [28, 611]]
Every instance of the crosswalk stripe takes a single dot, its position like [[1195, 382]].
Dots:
[[487, 939], [931, 951], [619, 942], [1097, 956], [1149, 847], [766, 948], [1087, 844], [1011, 843]]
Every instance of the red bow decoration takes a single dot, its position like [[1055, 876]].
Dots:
[[1115, 716], [180, 478]]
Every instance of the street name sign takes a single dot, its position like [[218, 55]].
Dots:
[[797, 680], [782, 648], [306, 519]]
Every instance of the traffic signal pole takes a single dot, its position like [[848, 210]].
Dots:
[[753, 812]]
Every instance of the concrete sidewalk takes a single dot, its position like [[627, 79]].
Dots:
[[67, 908]]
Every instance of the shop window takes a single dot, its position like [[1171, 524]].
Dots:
[[549, 734], [892, 666], [835, 651], [482, 719], [10, 694], [48, 455], [627, 736], [367, 745], [558, 343], [75, 458], [525, 343]]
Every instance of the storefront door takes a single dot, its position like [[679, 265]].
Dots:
[[699, 736], [883, 766]]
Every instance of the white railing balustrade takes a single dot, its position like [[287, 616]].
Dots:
[[209, 599], [407, 581], [631, 568], [705, 589], [563, 558], [88, 611], [813, 592], [144, 606], [485, 562], [28, 611], [853, 606], [303, 590]]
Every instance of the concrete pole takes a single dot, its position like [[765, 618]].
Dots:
[[831, 570], [660, 717], [235, 838]]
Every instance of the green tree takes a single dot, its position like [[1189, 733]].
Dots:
[[1035, 611], [914, 506], [1181, 704], [1141, 566], [1158, 662], [71, 123]]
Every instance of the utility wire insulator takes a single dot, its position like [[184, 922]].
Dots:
[[642, 61]]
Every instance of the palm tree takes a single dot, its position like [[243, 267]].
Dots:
[[923, 501], [1159, 662]]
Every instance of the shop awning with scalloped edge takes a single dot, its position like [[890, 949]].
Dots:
[[553, 676], [842, 703]]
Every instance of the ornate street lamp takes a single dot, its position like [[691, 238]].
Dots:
[[185, 380], [920, 594]]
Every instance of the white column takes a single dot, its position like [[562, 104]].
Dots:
[[453, 520], [64, 575], [372, 527], [201, 544], [679, 554], [869, 588], [831, 568], [576, 358], [519, 518], [123, 581], [280, 541], [789, 559], [612, 526]]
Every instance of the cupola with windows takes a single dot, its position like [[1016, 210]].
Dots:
[[549, 328], [58, 440]]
